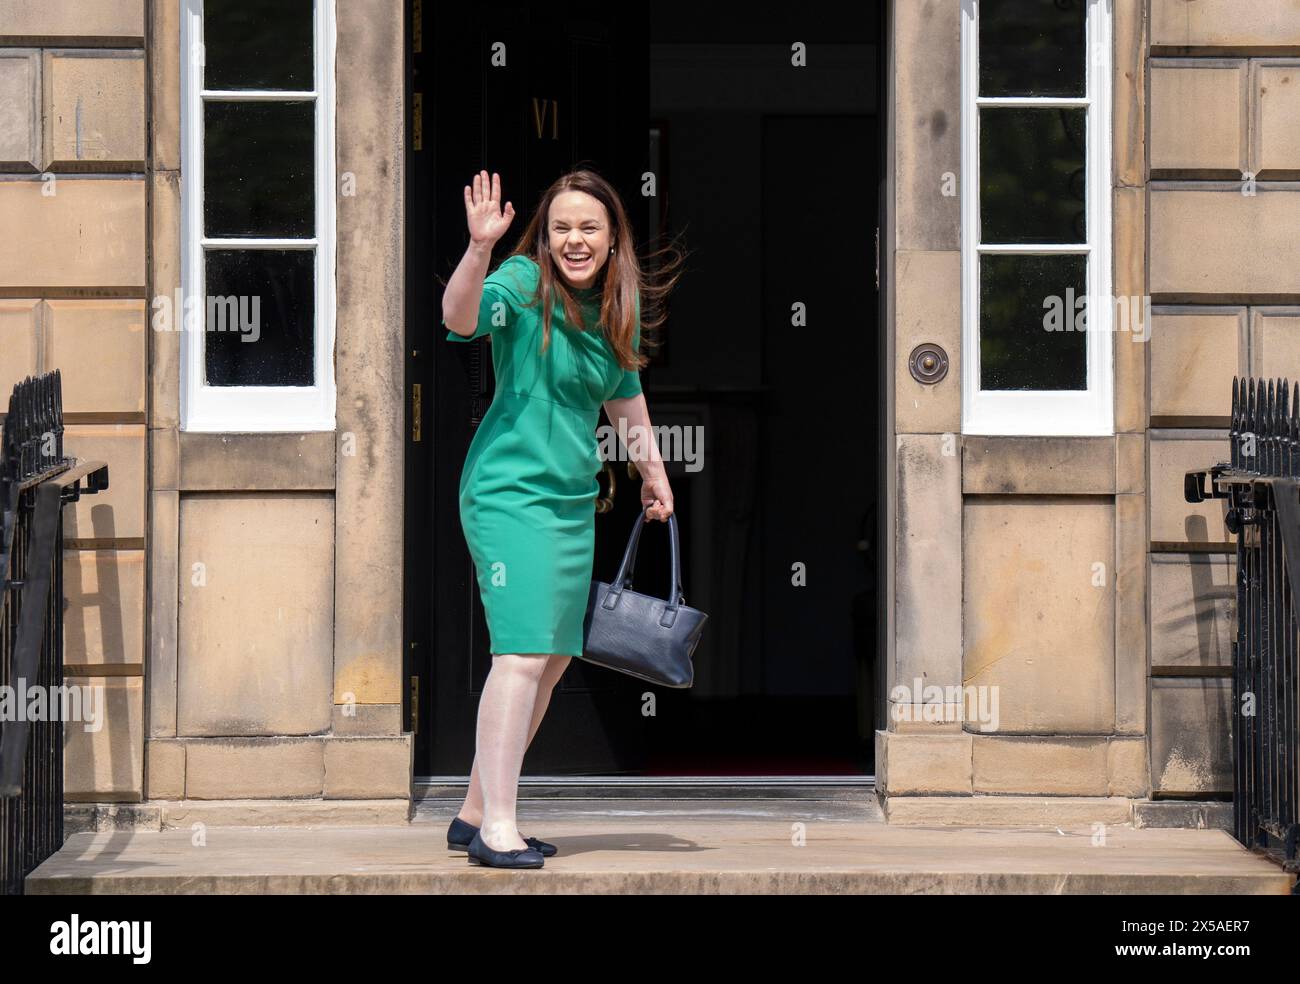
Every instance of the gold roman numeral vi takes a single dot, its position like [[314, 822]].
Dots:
[[542, 108]]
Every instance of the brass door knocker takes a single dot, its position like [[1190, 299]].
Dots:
[[606, 503]]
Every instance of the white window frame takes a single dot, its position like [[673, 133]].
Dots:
[[1043, 412], [256, 408]]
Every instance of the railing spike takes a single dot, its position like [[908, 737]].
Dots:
[[1280, 418], [1233, 428], [1269, 397], [1248, 461], [1261, 423], [1292, 430], [1284, 428], [1275, 426], [25, 425], [1271, 458], [58, 415], [1278, 431], [47, 421], [1265, 423]]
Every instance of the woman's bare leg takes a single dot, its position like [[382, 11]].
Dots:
[[514, 700], [471, 810]]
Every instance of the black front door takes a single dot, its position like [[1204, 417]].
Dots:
[[769, 383], [528, 93]]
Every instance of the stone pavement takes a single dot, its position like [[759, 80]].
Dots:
[[768, 846]]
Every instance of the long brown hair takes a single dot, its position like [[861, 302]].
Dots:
[[622, 279]]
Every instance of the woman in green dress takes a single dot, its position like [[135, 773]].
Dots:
[[564, 314]]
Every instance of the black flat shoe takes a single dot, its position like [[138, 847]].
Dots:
[[461, 832], [520, 857]]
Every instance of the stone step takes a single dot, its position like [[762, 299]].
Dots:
[[760, 846]]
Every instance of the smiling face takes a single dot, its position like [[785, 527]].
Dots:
[[579, 236]]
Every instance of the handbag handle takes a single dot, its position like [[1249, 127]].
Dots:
[[623, 579]]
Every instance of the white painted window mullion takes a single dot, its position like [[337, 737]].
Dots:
[[257, 95], [1035, 249]]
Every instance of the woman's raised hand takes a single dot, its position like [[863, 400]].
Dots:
[[487, 222]]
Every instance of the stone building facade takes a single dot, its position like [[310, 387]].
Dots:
[[92, 108], [1127, 700], [1062, 569]]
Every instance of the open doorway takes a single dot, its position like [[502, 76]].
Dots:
[[764, 140]]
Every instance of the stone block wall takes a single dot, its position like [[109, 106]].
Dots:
[[73, 289], [201, 588], [1123, 692], [1224, 138]]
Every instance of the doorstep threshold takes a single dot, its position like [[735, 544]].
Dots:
[[674, 780], [669, 787]]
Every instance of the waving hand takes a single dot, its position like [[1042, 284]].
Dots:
[[487, 221]]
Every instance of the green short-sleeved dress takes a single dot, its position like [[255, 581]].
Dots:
[[528, 488]]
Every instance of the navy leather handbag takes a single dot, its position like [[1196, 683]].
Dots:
[[650, 638]]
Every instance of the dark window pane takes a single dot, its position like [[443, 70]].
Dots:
[[1032, 176], [252, 44], [1032, 47], [259, 169], [1017, 352], [271, 290]]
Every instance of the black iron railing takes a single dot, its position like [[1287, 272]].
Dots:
[[36, 480], [1261, 483]]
